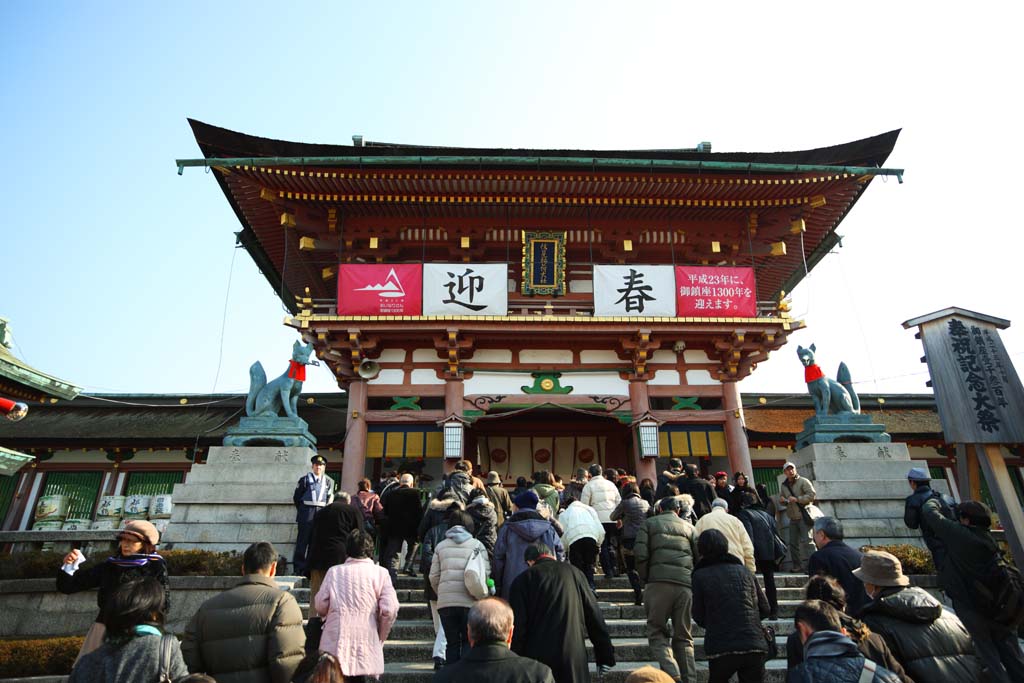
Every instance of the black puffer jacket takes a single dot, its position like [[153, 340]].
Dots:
[[929, 641], [729, 605], [762, 530], [632, 510], [870, 644], [831, 657], [485, 523], [107, 576]]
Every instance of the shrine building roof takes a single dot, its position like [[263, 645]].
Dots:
[[306, 207]]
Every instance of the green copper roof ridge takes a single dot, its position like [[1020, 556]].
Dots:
[[539, 161], [17, 370]]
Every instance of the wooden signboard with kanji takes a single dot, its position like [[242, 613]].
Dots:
[[980, 401]]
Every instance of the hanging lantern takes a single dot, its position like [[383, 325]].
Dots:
[[454, 428], [647, 435]]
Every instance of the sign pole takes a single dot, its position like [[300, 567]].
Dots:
[[1001, 487]]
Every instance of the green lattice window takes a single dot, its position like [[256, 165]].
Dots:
[[769, 477], [152, 483], [81, 488], [7, 487]]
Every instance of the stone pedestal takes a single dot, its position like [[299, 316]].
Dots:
[[270, 430], [239, 496], [843, 428], [864, 485]]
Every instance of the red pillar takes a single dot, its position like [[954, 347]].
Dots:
[[353, 463], [735, 438], [646, 468], [454, 392]]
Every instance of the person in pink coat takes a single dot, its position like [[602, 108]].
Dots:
[[359, 606]]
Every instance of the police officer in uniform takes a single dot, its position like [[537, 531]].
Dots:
[[314, 492]]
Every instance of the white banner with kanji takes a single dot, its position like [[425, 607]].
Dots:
[[465, 289], [634, 290]]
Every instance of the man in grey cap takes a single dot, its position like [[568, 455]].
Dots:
[[795, 494], [920, 483]]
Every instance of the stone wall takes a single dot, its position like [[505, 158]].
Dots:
[[33, 608]]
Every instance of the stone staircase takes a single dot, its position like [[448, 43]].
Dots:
[[407, 652]]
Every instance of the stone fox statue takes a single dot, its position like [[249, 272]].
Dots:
[[268, 399], [829, 396]]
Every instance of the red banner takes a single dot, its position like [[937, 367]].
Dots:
[[711, 292], [380, 289]]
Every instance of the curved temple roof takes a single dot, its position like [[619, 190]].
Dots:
[[339, 196]]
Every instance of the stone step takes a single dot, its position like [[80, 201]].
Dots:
[[617, 595], [423, 629], [423, 672], [786, 579], [420, 610], [630, 649]]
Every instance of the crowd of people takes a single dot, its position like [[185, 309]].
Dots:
[[510, 580]]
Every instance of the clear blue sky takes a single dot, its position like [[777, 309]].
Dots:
[[116, 270]]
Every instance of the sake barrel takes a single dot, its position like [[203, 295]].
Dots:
[[160, 507], [76, 524], [137, 506], [52, 508], [111, 506], [105, 524]]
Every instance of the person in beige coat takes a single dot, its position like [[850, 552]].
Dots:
[[794, 494], [732, 528], [252, 632], [452, 557]]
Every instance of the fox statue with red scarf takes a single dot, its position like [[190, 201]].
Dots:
[[268, 399], [831, 397]]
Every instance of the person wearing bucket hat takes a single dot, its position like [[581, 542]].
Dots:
[[929, 641], [136, 558], [499, 497], [314, 492]]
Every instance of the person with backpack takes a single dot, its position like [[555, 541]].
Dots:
[[431, 532], [456, 587], [972, 557], [920, 483]]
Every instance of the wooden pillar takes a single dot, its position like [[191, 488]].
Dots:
[[353, 462], [1005, 496], [735, 437], [454, 392], [646, 468]]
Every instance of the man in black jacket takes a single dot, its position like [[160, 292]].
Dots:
[[703, 492], [972, 552], [555, 611], [402, 514], [331, 528], [921, 484], [835, 558], [489, 659]]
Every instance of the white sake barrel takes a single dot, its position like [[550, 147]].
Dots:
[[137, 506], [51, 508], [48, 525], [160, 507], [105, 524], [75, 524], [111, 506]]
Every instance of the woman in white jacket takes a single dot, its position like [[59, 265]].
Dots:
[[458, 574], [583, 535]]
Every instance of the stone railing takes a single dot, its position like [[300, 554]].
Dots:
[[33, 608]]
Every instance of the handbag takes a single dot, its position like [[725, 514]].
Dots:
[[476, 573], [805, 511], [769, 638]]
